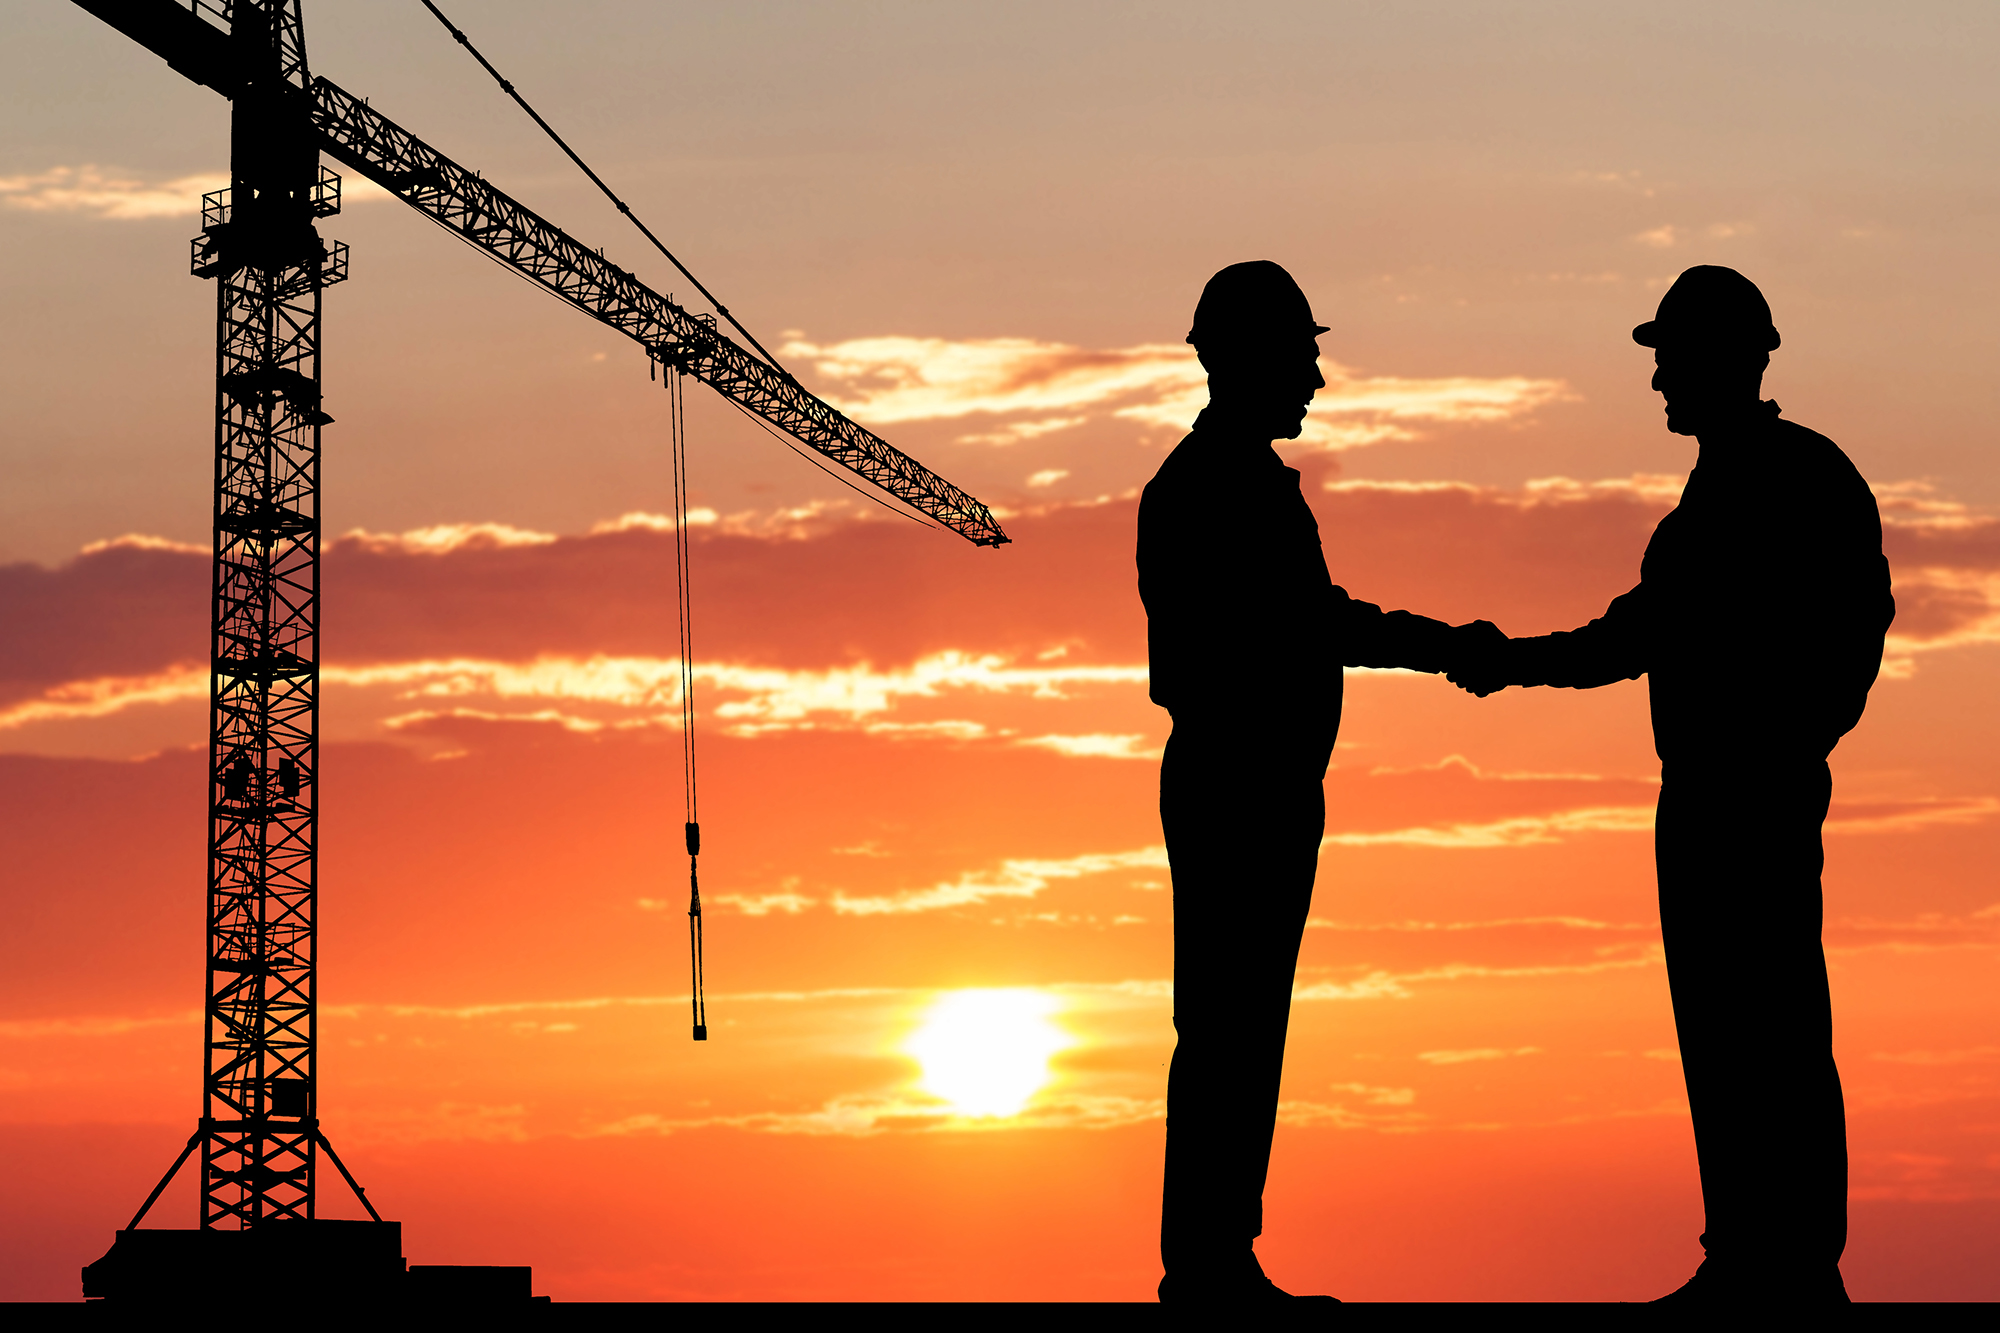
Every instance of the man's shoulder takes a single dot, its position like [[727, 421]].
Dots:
[[1814, 459]]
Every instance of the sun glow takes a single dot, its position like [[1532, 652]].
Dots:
[[986, 1052]]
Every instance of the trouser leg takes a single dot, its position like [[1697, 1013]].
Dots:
[[1244, 844], [1739, 859]]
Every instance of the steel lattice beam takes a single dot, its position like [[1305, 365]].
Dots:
[[259, 1129], [475, 211], [468, 207]]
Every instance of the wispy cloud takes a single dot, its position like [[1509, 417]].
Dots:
[[862, 1115], [1500, 923], [106, 695], [1480, 1053], [1909, 815], [1016, 878], [1520, 831], [445, 538], [117, 195], [1654, 488], [645, 691], [1901, 816], [1384, 985], [1095, 746], [28, 1029], [1032, 388], [1967, 1056], [106, 192]]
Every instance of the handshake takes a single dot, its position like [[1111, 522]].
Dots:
[[1475, 658]]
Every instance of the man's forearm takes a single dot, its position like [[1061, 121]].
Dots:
[[1396, 639]]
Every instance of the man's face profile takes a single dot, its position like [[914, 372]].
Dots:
[[1701, 386], [1273, 380]]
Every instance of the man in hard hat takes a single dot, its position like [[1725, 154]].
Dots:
[[1759, 617], [1239, 605]]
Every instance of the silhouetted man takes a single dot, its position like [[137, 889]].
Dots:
[[1759, 617], [1247, 636]]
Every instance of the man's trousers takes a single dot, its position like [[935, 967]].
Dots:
[[1243, 823], [1739, 854]]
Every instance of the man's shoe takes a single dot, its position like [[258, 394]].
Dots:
[[1739, 1286], [1222, 1291]]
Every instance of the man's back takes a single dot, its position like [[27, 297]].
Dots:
[[1761, 607], [1769, 598]]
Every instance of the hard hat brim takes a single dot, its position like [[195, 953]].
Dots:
[[1653, 333]]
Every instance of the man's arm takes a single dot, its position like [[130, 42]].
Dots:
[[1372, 637], [1610, 648]]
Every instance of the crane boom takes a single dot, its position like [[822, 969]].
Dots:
[[469, 207], [349, 130]]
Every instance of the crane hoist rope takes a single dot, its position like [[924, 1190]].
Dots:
[[684, 603]]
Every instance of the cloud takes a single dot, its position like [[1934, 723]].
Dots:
[[1502, 923], [445, 538], [749, 701], [1467, 1057], [1383, 985], [1048, 476], [1520, 831], [1044, 386], [110, 193], [1662, 237], [1015, 878], [107, 695], [1466, 766], [1543, 830], [1967, 1056], [1651, 488], [754, 904], [776, 695], [29, 1029], [1375, 1096], [468, 610], [1096, 746], [105, 193], [140, 541], [863, 1115], [1909, 815], [1302, 1114]]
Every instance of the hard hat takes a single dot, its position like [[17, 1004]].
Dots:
[[1253, 302], [1714, 307]]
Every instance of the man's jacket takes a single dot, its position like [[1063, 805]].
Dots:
[[1239, 605], [1761, 608]]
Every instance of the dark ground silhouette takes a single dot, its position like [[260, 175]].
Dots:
[[1759, 619], [1238, 598]]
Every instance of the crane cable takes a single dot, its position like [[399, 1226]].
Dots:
[[598, 181], [684, 603], [659, 245], [677, 428]]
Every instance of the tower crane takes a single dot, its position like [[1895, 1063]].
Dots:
[[259, 1135]]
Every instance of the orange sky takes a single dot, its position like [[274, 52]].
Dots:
[[929, 769]]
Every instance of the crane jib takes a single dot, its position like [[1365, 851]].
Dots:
[[462, 203], [459, 201]]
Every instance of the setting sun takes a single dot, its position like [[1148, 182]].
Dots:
[[986, 1052]]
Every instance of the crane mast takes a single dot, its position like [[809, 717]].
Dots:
[[258, 1127]]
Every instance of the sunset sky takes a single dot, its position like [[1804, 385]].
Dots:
[[928, 771]]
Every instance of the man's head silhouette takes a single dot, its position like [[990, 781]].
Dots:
[[1255, 332], [1712, 339]]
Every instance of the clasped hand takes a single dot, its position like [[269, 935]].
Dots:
[[1476, 663]]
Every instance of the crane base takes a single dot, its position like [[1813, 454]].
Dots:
[[336, 1262]]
